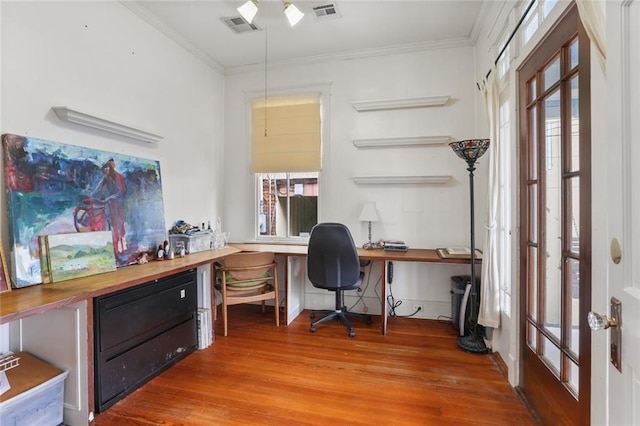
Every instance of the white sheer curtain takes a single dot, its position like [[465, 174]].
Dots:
[[489, 315], [592, 15]]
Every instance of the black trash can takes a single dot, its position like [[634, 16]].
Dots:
[[458, 286]]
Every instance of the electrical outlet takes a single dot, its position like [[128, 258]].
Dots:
[[417, 308]]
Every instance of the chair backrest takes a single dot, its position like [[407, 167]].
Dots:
[[332, 257], [246, 265]]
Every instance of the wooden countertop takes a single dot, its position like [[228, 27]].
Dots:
[[36, 299], [411, 255]]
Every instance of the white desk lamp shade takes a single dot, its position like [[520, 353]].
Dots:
[[369, 213]]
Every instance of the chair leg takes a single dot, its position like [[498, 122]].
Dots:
[[224, 316], [340, 313]]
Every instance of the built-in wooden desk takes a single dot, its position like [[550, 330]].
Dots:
[[39, 303], [384, 256], [23, 302]]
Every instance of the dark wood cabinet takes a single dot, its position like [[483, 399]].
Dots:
[[141, 331]]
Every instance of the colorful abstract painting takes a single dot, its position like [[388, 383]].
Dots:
[[80, 254], [55, 188]]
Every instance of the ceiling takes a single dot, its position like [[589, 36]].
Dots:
[[359, 27]]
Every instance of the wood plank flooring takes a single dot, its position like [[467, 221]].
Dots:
[[266, 375]]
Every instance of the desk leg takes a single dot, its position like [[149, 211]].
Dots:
[[286, 290], [214, 301], [383, 299]]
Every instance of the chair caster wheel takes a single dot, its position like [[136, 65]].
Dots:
[[352, 333], [312, 329], [369, 321], [312, 315]]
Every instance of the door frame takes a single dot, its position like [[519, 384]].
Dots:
[[561, 31]]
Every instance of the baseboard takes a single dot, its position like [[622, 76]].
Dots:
[[502, 366]]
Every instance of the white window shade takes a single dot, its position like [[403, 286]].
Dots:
[[285, 135]]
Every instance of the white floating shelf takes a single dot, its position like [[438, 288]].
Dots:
[[400, 103], [400, 180], [402, 142], [74, 116]]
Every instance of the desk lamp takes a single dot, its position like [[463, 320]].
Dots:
[[470, 150], [369, 214]]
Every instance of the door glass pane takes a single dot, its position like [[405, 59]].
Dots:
[[532, 336], [574, 158], [533, 90], [533, 144], [574, 377], [573, 54], [533, 212], [574, 214], [551, 74], [533, 282], [551, 353], [574, 306], [553, 216]]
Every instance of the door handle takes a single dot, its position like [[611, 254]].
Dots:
[[602, 322], [599, 322]]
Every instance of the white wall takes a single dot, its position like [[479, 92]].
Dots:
[[102, 58], [423, 215]]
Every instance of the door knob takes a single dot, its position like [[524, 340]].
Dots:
[[600, 322]]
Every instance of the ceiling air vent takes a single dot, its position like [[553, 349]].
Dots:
[[326, 11], [239, 25]]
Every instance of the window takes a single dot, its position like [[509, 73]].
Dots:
[[286, 135], [287, 204]]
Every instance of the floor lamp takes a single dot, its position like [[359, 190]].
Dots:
[[470, 150]]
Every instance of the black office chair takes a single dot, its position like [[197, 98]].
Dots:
[[333, 264]]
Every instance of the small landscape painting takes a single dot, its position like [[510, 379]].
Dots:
[[80, 254]]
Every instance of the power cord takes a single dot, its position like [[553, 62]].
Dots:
[[393, 304]]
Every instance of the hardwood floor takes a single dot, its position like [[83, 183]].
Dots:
[[266, 375]]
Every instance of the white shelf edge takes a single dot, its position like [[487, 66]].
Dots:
[[402, 142], [65, 113], [398, 180], [430, 101]]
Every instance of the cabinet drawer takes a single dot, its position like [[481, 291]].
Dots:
[[122, 374], [125, 318]]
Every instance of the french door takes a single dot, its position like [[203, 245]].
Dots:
[[555, 224]]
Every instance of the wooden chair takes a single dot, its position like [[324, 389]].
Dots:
[[247, 277]]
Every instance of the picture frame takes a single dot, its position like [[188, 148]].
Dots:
[[5, 283]]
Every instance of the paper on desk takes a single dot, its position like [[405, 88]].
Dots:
[[458, 250], [4, 382]]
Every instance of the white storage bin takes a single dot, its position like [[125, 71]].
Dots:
[[42, 402], [193, 243]]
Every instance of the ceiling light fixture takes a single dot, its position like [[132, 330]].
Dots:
[[249, 10], [293, 13]]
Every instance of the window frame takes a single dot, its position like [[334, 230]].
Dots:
[[324, 88]]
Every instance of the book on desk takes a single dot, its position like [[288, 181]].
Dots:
[[395, 246], [457, 253]]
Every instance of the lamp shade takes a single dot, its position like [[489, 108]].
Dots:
[[293, 13], [249, 10], [369, 213], [470, 150]]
